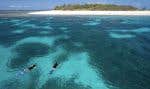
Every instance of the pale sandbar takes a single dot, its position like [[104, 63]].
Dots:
[[60, 12]]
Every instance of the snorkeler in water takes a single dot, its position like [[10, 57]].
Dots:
[[55, 65], [54, 68], [30, 68]]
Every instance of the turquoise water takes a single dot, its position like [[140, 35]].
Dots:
[[93, 52]]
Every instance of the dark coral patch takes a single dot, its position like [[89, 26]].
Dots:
[[27, 51]]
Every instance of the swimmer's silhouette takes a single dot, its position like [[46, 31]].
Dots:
[[30, 68], [54, 68]]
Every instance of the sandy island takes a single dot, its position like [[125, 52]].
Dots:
[[60, 12]]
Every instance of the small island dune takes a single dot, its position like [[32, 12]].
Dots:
[[94, 9], [69, 12]]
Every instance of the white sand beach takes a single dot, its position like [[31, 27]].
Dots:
[[60, 12]]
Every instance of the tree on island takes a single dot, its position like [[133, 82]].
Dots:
[[106, 7]]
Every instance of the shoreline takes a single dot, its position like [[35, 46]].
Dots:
[[67, 12]]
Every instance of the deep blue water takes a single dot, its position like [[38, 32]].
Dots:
[[93, 52]]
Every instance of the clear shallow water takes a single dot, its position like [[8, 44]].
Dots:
[[94, 52]]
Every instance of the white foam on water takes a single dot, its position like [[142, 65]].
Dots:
[[77, 64], [121, 30], [91, 23], [120, 36], [19, 31], [139, 30], [63, 28]]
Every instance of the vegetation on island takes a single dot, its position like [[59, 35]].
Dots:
[[94, 7]]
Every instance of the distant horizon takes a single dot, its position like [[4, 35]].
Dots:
[[50, 4]]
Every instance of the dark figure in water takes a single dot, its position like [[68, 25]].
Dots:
[[22, 72], [31, 67], [55, 65], [54, 68]]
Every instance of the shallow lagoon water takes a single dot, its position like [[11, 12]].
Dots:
[[94, 52]]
